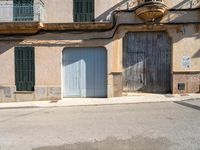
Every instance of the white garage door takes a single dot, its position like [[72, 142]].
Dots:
[[84, 72]]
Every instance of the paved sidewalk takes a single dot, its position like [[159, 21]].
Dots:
[[136, 98]]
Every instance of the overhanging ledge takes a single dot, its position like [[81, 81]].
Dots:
[[10, 28], [77, 26], [20, 27]]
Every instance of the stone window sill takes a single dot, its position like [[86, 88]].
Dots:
[[24, 92]]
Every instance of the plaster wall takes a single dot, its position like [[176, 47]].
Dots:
[[7, 64], [6, 12], [182, 4], [48, 48], [169, 17], [62, 10], [7, 79], [186, 43], [48, 62], [47, 66], [48, 71], [58, 11]]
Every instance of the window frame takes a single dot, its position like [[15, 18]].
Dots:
[[24, 68], [23, 10], [83, 10]]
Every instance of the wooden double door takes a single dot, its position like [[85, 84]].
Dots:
[[147, 62]]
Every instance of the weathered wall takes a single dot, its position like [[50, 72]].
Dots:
[[7, 64], [63, 9], [186, 45], [57, 11], [6, 12], [48, 49], [47, 62], [48, 70], [7, 80], [191, 80], [186, 42], [182, 4], [47, 74]]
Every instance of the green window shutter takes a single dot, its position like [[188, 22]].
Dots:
[[24, 68], [83, 10], [23, 10]]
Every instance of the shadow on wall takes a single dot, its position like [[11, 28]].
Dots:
[[184, 31], [197, 54], [85, 39], [106, 16], [182, 16], [106, 37], [7, 45], [187, 4]]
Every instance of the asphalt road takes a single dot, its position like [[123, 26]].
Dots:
[[150, 126]]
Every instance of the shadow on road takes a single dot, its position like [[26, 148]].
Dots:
[[188, 105], [112, 143]]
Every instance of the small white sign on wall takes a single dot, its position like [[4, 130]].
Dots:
[[186, 62]]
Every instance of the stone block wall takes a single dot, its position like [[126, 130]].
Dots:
[[9, 94], [117, 84], [191, 81]]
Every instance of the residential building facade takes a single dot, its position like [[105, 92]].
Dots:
[[52, 49]]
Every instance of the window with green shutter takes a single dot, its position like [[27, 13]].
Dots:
[[24, 68], [83, 10], [23, 10]]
